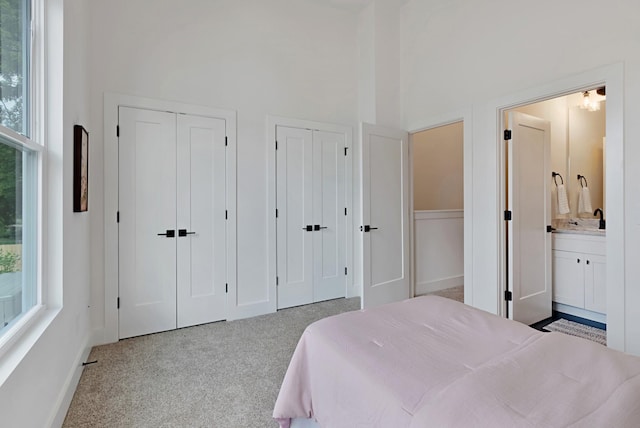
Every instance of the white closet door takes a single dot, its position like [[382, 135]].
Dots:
[[328, 210], [147, 206], [385, 215], [201, 235], [294, 166]]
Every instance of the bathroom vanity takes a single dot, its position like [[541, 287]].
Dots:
[[579, 271]]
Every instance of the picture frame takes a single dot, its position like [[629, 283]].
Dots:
[[80, 169]]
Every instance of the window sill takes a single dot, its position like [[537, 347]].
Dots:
[[19, 342]]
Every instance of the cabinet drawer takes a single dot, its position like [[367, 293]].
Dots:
[[579, 243]]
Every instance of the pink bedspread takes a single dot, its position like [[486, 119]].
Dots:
[[433, 362]]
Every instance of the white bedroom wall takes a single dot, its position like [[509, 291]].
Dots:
[[294, 59], [462, 53], [39, 390]]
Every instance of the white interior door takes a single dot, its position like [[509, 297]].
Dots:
[[385, 215], [329, 258], [294, 194], [147, 207], [201, 224], [529, 200]]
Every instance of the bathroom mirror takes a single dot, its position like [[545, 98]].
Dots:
[[585, 157]]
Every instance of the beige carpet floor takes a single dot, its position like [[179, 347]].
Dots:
[[455, 293], [225, 374]]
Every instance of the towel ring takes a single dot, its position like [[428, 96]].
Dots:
[[554, 175], [581, 178]]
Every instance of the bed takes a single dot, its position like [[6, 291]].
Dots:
[[434, 362]]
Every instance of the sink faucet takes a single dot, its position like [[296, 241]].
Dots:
[[602, 222]]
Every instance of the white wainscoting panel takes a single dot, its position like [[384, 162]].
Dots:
[[439, 241]]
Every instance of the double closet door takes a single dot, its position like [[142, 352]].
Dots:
[[311, 216], [172, 221]]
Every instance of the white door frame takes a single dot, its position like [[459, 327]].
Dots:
[[272, 123], [111, 103], [465, 116], [612, 77]]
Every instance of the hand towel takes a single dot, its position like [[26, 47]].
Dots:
[[563, 202], [584, 201]]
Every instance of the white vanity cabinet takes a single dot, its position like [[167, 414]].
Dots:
[[579, 273]]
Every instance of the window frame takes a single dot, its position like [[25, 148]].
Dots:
[[32, 143]]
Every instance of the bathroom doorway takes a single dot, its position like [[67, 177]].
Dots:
[[576, 198], [438, 216]]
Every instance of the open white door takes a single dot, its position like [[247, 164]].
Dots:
[[385, 215], [529, 200]]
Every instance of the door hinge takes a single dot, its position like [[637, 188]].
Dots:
[[345, 270], [226, 215], [276, 213], [276, 144], [507, 134], [345, 150], [226, 141], [508, 296], [507, 215], [550, 229], [117, 130], [277, 280], [226, 288], [117, 216], [118, 303]]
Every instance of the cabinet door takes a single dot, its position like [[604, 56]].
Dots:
[[568, 278], [595, 291]]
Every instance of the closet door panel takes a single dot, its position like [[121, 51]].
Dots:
[[201, 234], [294, 166], [147, 206], [329, 195]]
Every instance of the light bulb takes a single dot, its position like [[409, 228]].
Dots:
[[586, 100]]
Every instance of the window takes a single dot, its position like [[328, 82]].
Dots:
[[19, 166], [15, 43]]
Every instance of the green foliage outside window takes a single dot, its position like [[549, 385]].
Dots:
[[13, 72], [9, 261], [13, 64]]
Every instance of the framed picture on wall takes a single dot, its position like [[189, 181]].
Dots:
[[80, 169]]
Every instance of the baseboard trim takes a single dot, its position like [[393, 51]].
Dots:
[[69, 388], [579, 312], [98, 337], [439, 284], [354, 291]]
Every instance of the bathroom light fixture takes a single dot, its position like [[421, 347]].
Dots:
[[588, 103]]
